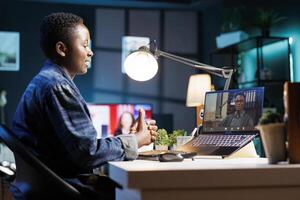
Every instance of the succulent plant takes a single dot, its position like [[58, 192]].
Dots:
[[269, 117], [162, 137]]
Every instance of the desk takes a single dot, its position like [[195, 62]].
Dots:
[[207, 179]]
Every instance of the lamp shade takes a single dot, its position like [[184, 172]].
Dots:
[[199, 84], [141, 65]]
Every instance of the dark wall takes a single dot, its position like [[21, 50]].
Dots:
[[25, 18], [289, 27]]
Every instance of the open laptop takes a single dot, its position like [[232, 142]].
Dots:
[[229, 122]]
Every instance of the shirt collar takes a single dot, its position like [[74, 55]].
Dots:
[[50, 64], [241, 114]]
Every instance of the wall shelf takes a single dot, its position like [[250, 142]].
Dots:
[[259, 61]]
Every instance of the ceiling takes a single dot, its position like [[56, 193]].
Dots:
[[191, 4]]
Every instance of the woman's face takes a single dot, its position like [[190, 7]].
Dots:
[[126, 120], [78, 54]]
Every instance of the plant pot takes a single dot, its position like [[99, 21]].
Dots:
[[226, 39], [161, 147], [273, 139]]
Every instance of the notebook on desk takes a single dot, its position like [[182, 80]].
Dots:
[[229, 122]]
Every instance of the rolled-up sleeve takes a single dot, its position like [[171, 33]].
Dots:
[[68, 115], [130, 146]]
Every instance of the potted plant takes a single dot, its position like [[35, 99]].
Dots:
[[272, 132], [162, 140], [173, 137], [231, 27], [265, 19]]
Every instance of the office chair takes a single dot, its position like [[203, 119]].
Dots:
[[34, 180]]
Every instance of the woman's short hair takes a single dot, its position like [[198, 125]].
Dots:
[[57, 27]]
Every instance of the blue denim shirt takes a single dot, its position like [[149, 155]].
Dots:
[[53, 120]]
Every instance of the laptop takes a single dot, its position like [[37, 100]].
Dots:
[[229, 121]]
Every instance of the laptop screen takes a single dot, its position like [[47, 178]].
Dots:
[[233, 110]]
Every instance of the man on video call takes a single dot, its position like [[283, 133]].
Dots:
[[239, 118]]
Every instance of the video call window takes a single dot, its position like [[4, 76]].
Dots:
[[233, 110], [105, 117]]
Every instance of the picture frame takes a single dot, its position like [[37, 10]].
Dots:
[[9, 51]]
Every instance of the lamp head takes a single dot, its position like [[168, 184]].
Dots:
[[141, 65]]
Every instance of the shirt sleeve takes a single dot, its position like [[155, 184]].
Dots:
[[130, 145], [68, 115]]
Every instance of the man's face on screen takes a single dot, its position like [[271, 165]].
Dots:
[[239, 103]]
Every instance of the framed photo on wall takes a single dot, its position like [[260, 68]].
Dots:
[[9, 51]]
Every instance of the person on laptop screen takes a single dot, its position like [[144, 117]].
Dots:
[[233, 110], [239, 118]]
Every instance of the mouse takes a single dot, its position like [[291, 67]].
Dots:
[[170, 157]]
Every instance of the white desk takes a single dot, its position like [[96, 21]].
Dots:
[[207, 179]]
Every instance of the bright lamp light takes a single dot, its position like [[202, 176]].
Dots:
[[141, 66]]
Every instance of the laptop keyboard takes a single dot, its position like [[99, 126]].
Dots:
[[221, 140]]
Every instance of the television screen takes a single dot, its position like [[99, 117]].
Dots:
[[105, 117]]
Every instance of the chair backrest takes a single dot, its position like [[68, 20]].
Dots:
[[33, 178]]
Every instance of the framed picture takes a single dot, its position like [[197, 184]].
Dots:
[[9, 51], [130, 44]]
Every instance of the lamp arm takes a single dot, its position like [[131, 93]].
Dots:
[[229, 73], [169, 55], [221, 72], [191, 63]]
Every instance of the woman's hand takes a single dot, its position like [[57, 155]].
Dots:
[[144, 131]]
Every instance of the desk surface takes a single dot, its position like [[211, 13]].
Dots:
[[204, 173]]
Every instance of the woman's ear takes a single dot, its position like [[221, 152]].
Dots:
[[61, 49]]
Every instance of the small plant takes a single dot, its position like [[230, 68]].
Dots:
[[269, 117], [162, 138], [232, 19], [174, 135], [265, 19]]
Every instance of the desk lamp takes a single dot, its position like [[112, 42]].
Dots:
[[198, 85], [142, 65]]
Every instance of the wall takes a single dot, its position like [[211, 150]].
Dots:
[[25, 18], [103, 82], [290, 27]]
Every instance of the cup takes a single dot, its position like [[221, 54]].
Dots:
[[181, 140], [273, 139]]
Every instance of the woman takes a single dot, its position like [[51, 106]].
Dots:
[[126, 121], [52, 118]]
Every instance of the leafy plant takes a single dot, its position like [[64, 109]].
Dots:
[[162, 137], [266, 18], [269, 117], [232, 19], [174, 135]]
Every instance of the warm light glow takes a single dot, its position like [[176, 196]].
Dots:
[[199, 84], [141, 66]]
